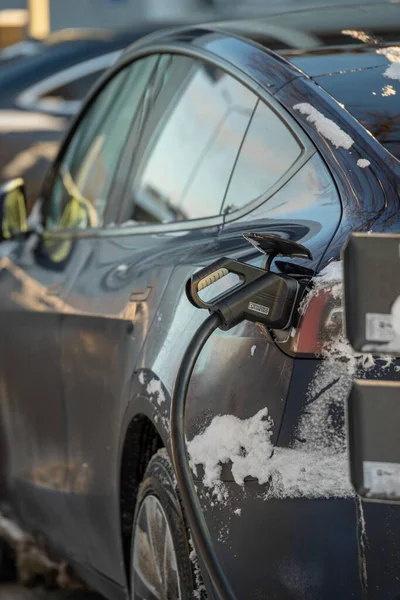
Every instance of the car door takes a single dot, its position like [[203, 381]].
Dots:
[[191, 127], [32, 292], [34, 288]]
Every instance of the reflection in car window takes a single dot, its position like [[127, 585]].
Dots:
[[87, 170], [268, 151], [190, 142]]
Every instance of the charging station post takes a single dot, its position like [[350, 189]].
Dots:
[[372, 305]]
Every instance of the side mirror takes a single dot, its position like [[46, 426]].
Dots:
[[13, 219]]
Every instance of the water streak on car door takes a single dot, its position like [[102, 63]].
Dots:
[[32, 305], [115, 300]]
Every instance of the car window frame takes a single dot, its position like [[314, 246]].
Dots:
[[307, 151], [117, 207]]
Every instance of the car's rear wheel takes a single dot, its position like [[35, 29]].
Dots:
[[161, 567]]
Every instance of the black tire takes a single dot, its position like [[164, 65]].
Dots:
[[158, 501]]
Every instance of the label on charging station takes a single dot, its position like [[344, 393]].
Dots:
[[382, 479], [379, 327]]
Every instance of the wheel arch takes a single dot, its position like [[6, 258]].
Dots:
[[143, 432]]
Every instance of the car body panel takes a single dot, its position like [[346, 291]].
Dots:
[[32, 306]]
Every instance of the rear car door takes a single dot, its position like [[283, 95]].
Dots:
[[176, 166]]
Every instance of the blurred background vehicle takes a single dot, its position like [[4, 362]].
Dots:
[[41, 91]]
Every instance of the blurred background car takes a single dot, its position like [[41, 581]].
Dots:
[[43, 88]]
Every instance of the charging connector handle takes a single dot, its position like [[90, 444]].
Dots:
[[191, 503], [217, 270]]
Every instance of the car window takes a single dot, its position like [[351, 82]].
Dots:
[[79, 195], [189, 143], [268, 151]]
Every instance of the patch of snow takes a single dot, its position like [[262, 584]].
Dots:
[[253, 349], [245, 443], [238, 511], [363, 163], [332, 273], [388, 90], [362, 36], [163, 453], [392, 53], [154, 388], [200, 589], [141, 378], [326, 127]]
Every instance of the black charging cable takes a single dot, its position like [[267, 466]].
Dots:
[[183, 473], [262, 297]]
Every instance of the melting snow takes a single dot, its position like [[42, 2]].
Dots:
[[238, 511], [388, 90], [246, 443], [142, 380], [392, 53], [326, 127], [363, 162], [253, 349], [154, 388], [200, 590], [362, 36]]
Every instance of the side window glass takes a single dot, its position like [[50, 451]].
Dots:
[[189, 143], [86, 172], [268, 151]]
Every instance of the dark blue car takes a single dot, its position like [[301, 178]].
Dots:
[[287, 126]]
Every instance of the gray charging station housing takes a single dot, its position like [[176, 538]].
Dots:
[[371, 272], [371, 268]]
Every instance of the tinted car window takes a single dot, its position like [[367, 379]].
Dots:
[[87, 170], [189, 143], [268, 151]]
